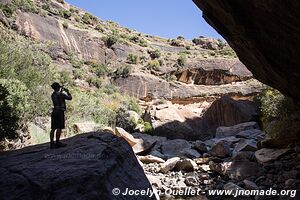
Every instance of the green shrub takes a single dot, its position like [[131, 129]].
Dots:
[[280, 115], [101, 70], [153, 64], [196, 41], [65, 25], [110, 40], [175, 43], [134, 39], [133, 105], [154, 54], [124, 71], [25, 5], [87, 18], [188, 47], [274, 105], [180, 38], [148, 129], [221, 43], [181, 61], [95, 81], [28, 63], [66, 14], [143, 43], [79, 73], [132, 59], [8, 9], [14, 97], [99, 28], [76, 63]]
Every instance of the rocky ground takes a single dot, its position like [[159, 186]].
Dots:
[[235, 158]]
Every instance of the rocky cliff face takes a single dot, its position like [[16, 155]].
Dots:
[[90, 167], [265, 35]]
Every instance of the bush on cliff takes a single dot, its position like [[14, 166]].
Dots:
[[14, 97], [280, 116]]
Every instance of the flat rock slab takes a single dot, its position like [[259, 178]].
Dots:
[[89, 167], [267, 155]]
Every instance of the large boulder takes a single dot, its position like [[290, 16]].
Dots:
[[224, 131], [221, 149], [268, 155], [228, 112], [87, 168], [175, 123], [174, 147], [127, 136], [265, 36]]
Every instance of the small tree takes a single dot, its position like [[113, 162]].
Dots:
[[13, 107], [154, 54], [133, 59], [181, 61], [110, 40]]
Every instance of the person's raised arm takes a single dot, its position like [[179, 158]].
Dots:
[[67, 96]]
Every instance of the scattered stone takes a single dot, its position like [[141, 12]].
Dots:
[[173, 147], [232, 186], [200, 161], [200, 146], [245, 145], [267, 155], [120, 132], [186, 165], [239, 170], [169, 165], [191, 181], [220, 168], [249, 185], [250, 134], [162, 106], [189, 153], [85, 127], [150, 159], [244, 156], [154, 180], [224, 131], [221, 149]]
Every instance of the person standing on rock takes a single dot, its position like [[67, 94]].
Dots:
[[58, 97]]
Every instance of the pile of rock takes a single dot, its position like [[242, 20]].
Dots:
[[233, 159]]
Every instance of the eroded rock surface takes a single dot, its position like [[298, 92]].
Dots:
[[265, 36], [90, 167]]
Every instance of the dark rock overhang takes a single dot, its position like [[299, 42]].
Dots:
[[264, 34]]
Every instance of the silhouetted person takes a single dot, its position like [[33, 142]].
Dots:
[[58, 114]]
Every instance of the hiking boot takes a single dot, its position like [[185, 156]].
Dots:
[[59, 144], [52, 145]]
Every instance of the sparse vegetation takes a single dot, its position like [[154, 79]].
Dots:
[[87, 18], [110, 40], [153, 64], [279, 113], [65, 25], [100, 70], [181, 61], [66, 14], [132, 59], [180, 37], [124, 71], [154, 54]]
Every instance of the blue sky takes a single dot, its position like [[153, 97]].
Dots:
[[165, 18]]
